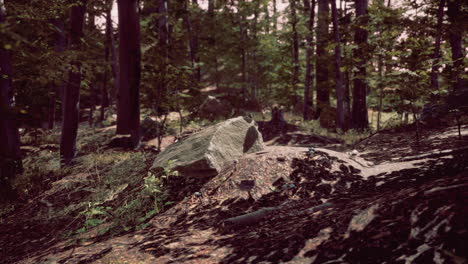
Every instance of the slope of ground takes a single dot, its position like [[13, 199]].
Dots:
[[328, 207]]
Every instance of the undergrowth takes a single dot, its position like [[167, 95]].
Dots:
[[105, 192]]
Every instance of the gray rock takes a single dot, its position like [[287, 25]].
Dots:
[[213, 108], [206, 152]]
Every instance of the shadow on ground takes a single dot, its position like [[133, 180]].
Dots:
[[415, 215]]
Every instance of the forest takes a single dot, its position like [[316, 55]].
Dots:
[[233, 131]]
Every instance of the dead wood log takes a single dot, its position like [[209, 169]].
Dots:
[[260, 215]]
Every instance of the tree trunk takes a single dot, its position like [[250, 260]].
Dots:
[[381, 76], [295, 77], [128, 113], [163, 41], [194, 46], [243, 43], [342, 116], [267, 18], [322, 61], [10, 154], [253, 69], [93, 87], [58, 87], [114, 64], [436, 56], [212, 39], [359, 112], [71, 97], [275, 17], [456, 33], [308, 94], [107, 51]]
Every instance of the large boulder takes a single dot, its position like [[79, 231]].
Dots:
[[213, 108], [206, 152]]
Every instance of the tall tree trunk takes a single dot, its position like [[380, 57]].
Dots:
[[295, 77], [275, 17], [115, 66], [381, 77], [308, 94], [71, 98], [10, 154], [342, 116], [194, 45], [243, 40], [93, 87], [58, 87], [359, 112], [163, 41], [322, 61], [456, 33], [436, 56], [267, 18], [107, 52], [253, 70], [128, 113], [212, 38]]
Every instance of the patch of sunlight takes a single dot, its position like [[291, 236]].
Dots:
[[362, 219]]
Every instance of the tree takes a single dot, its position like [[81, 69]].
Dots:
[[436, 56], [194, 29], [163, 41], [71, 97], [10, 154], [342, 115], [359, 111], [322, 60], [243, 40], [308, 101], [128, 112], [456, 32], [109, 53], [295, 77], [58, 87]]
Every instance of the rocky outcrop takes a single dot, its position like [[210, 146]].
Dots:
[[206, 152]]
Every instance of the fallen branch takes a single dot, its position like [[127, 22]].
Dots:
[[260, 215]]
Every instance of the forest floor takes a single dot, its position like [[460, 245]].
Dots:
[[395, 201]]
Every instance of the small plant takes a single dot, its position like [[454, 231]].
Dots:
[[95, 215]]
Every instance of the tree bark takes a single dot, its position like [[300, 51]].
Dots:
[[58, 86], [267, 18], [10, 154], [163, 41], [128, 113], [456, 33], [107, 52], [295, 77], [359, 112], [322, 61], [275, 17], [71, 98], [381, 77], [342, 116], [93, 86], [308, 94], [243, 40], [436, 56], [194, 46]]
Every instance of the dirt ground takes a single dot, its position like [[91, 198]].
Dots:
[[394, 201]]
